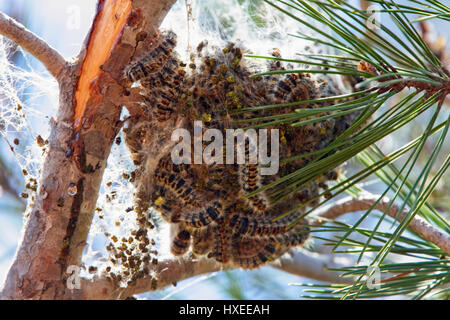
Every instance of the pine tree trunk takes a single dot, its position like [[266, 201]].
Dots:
[[81, 137]]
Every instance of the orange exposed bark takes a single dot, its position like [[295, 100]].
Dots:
[[108, 25]]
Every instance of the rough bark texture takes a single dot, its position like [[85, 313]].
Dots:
[[81, 137]]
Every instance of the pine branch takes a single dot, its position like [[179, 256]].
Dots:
[[298, 262], [166, 272], [40, 49], [418, 225], [58, 223]]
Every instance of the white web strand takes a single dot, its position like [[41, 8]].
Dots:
[[27, 101], [257, 25]]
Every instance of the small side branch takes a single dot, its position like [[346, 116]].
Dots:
[[417, 224], [166, 273], [40, 49]]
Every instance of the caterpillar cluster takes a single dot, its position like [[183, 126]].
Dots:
[[206, 204]]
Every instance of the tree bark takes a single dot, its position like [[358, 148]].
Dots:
[[90, 100]]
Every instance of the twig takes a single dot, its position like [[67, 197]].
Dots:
[[40, 49], [167, 272], [417, 224]]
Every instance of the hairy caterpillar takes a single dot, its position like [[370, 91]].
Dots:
[[206, 203]]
